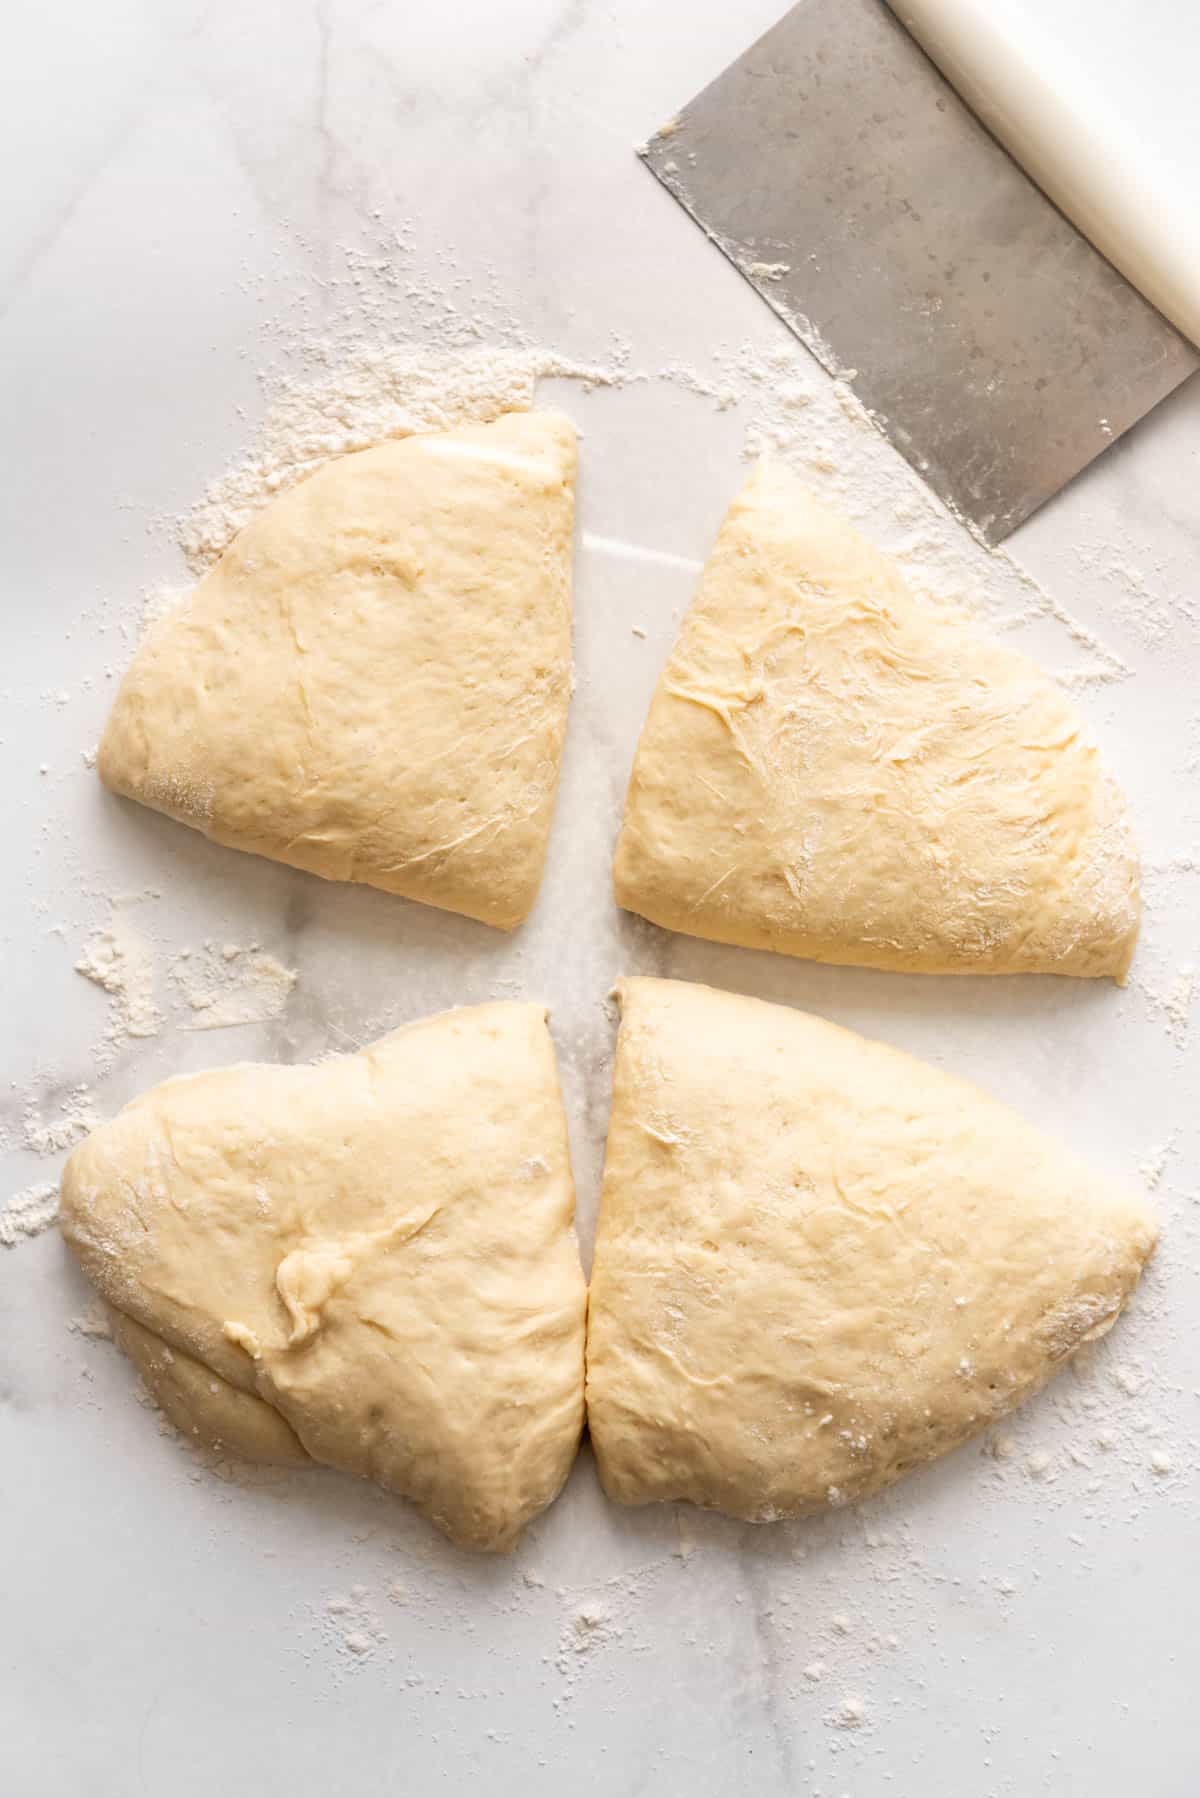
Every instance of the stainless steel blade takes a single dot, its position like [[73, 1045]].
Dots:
[[846, 181]]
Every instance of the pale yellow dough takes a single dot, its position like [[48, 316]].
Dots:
[[373, 682], [835, 769], [819, 1262], [376, 1255], [204, 1407]]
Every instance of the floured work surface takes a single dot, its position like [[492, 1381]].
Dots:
[[350, 1626]]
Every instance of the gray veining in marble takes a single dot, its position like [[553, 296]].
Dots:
[[1011, 1622]]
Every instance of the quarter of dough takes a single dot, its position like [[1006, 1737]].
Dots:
[[379, 1249], [819, 1262], [833, 768], [373, 681]]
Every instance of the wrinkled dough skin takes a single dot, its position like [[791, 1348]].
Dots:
[[372, 683], [834, 769], [379, 1250], [205, 1408], [819, 1262]]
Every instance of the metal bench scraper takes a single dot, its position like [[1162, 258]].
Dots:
[[844, 176]]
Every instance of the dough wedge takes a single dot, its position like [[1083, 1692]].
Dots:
[[379, 1249], [372, 683], [821, 1263], [836, 769]]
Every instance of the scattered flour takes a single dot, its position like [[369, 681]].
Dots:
[[44, 1133], [1168, 987], [229, 985], [592, 1627], [94, 1326], [119, 959], [351, 1625], [1129, 1379], [1154, 1166], [217, 986], [160, 602], [820, 427], [52, 1119], [373, 396], [1147, 606], [28, 1213], [1173, 1003], [349, 384], [851, 1713]]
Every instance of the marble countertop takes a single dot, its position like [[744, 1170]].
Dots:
[[198, 194]]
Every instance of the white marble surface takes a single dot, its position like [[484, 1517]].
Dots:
[[180, 178]]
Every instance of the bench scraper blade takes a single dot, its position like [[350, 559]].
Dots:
[[844, 178]]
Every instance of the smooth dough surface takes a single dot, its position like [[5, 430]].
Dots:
[[373, 681], [833, 768], [819, 1262], [379, 1248]]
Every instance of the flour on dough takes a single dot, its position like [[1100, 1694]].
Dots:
[[835, 769], [372, 683], [819, 1262], [204, 1407], [370, 1262]]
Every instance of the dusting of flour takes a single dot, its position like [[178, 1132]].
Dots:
[[228, 984], [215, 986], [119, 959], [792, 411], [28, 1213], [372, 396]]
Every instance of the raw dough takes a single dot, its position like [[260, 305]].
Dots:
[[832, 768], [379, 1248], [819, 1262], [373, 681], [206, 1408]]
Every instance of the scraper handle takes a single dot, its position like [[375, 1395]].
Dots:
[[1025, 89]]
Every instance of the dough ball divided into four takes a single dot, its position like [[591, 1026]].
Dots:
[[819, 1262]]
